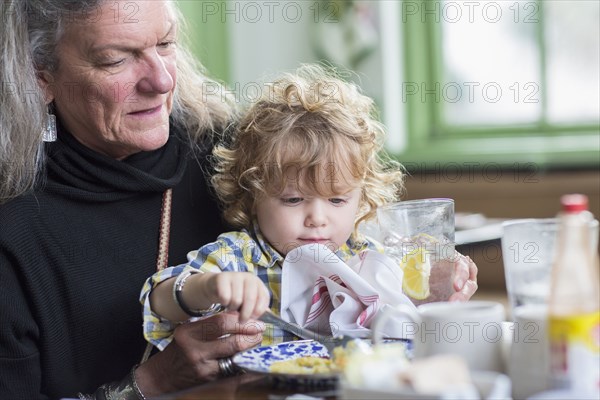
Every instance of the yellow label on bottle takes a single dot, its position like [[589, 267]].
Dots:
[[575, 350], [582, 328]]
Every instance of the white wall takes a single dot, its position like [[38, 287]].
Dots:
[[267, 37]]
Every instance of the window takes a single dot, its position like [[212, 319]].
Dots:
[[504, 81]]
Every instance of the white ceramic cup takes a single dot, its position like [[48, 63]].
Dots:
[[470, 329], [528, 365]]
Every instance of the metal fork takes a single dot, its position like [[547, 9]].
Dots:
[[330, 342]]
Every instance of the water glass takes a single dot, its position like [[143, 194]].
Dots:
[[419, 234], [528, 247]]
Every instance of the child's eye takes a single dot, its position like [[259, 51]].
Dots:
[[291, 200], [337, 201]]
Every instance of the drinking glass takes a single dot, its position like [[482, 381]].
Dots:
[[419, 234], [528, 247]]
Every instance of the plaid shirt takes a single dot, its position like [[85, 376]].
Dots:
[[241, 251]]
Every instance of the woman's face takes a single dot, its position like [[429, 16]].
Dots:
[[113, 89]]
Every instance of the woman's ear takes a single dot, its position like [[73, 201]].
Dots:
[[46, 82]]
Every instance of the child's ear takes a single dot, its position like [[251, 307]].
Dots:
[[255, 199]]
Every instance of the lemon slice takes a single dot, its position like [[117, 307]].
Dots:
[[424, 238], [417, 268]]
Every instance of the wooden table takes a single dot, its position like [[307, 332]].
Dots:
[[250, 386]]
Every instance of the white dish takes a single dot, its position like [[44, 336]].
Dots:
[[489, 385]]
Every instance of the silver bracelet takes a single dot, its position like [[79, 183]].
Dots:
[[215, 308], [136, 388], [125, 389]]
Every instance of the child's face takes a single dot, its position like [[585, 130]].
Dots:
[[294, 219]]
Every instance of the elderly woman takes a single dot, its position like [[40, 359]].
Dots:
[[82, 216]]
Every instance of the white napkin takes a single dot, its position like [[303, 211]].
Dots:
[[322, 293]]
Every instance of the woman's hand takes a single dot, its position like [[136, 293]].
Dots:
[[192, 356], [465, 278]]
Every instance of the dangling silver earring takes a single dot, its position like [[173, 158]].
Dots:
[[49, 132]]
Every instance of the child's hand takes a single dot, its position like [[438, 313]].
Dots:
[[239, 291], [465, 278]]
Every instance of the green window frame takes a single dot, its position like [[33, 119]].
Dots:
[[430, 141]]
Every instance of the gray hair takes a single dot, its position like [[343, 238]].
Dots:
[[29, 33]]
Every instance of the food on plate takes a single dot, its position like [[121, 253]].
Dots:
[[320, 365], [304, 365], [438, 374], [387, 370], [375, 367]]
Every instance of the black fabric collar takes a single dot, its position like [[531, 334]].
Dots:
[[79, 172]]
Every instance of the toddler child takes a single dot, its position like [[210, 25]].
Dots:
[[304, 166]]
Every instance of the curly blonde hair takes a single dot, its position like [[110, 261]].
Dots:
[[313, 130]]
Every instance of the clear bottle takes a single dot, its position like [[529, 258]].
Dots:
[[574, 303]]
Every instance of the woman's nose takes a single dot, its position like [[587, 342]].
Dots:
[[156, 77]]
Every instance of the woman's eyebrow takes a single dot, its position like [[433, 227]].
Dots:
[[172, 30], [126, 48]]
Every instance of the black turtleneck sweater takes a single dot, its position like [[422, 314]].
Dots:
[[74, 254]]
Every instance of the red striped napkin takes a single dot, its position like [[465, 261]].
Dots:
[[322, 293]]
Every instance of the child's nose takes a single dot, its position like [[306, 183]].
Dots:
[[316, 216]]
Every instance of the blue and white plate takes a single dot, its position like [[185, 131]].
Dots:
[[260, 360]]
